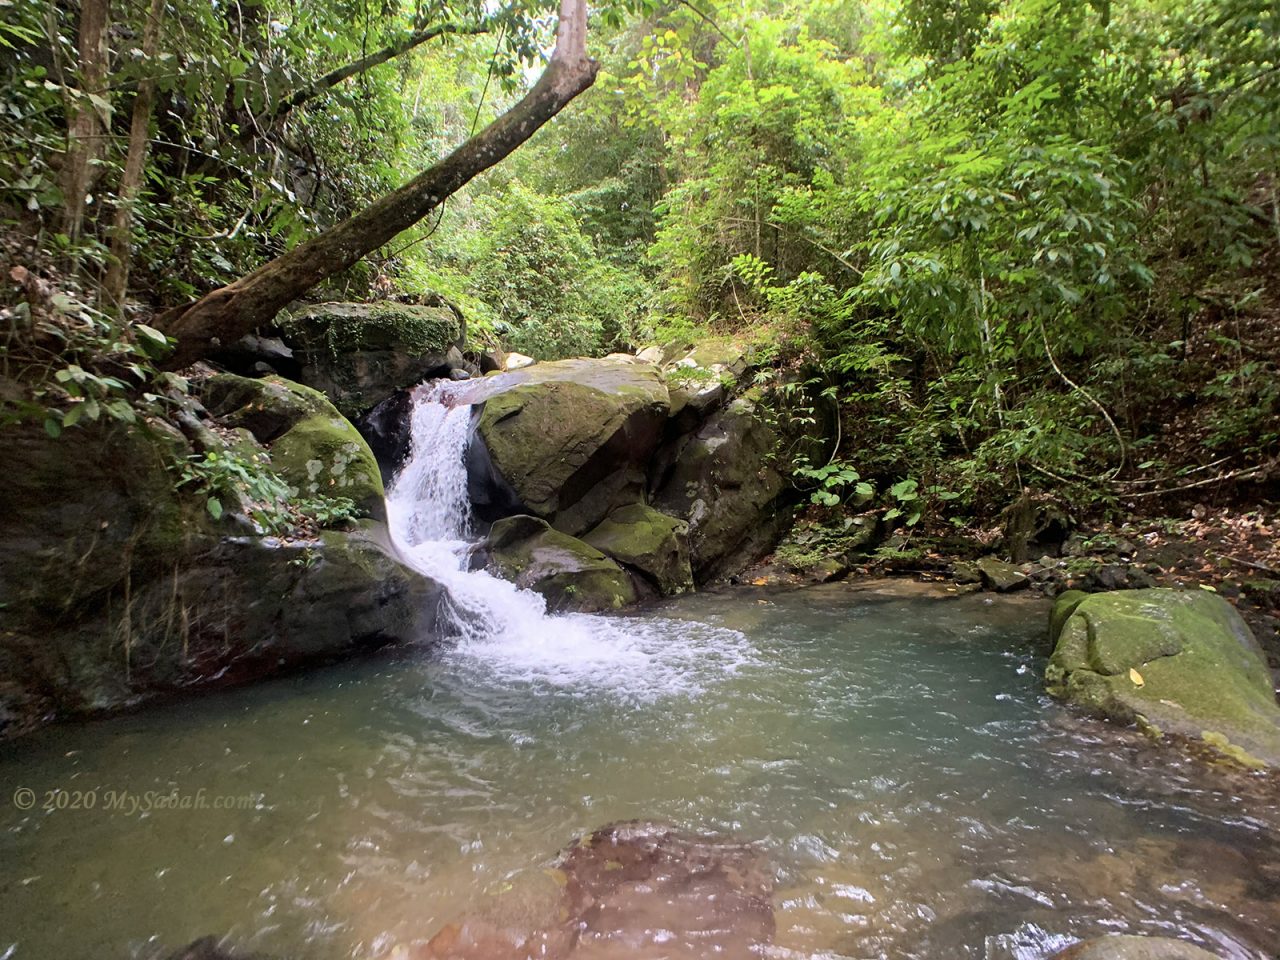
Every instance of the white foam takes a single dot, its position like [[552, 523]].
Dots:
[[505, 632]]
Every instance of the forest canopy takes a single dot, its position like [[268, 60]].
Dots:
[[1028, 243]]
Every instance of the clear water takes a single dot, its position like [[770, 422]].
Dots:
[[914, 792]]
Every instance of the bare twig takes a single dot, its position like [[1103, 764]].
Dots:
[[1244, 563], [1124, 449]]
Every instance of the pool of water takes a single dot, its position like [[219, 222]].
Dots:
[[914, 792]]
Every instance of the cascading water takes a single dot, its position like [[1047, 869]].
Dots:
[[504, 629]]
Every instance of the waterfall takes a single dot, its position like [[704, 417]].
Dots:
[[501, 628]]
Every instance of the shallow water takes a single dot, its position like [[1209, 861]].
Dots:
[[914, 792]]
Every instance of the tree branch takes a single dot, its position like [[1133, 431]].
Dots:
[[321, 85], [229, 312]]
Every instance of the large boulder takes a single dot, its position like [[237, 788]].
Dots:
[[313, 448], [722, 481], [1174, 661], [358, 354], [570, 574], [651, 543], [1124, 947], [118, 586], [567, 441]]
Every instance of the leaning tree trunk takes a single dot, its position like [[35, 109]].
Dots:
[[230, 312], [86, 124]]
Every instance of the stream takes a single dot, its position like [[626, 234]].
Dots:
[[888, 749]]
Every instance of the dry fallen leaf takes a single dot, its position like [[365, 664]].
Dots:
[[1136, 677]]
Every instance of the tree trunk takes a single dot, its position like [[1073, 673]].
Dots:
[[86, 127], [228, 313], [117, 279]]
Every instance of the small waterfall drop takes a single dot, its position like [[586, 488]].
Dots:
[[502, 629]]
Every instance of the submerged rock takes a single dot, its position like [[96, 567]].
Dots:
[[1123, 947], [650, 542], [358, 354], [1174, 661], [209, 948], [570, 574], [632, 891], [644, 891]]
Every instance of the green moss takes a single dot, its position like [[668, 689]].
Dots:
[[651, 542], [326, 456], [809, 544], [342, 328], [1182, 660], [314, 449], [569, 573], [1063, 607]]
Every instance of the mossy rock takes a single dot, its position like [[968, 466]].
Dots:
[[721, 479], [116, 586], [570, 574], [641, 538], [314, 449], [358, 354], [1173, 661], [572, 439], [1001, 576]]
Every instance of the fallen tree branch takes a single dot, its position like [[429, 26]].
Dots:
[[1233, 475]]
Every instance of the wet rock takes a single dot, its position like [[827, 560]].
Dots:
[[722, 481], [1122, 947], [642, 539], [358, 354], [386, 428], [570, 439], [964, 572], [124, 589], [570, 574], [1174, 661], [1000, 576]]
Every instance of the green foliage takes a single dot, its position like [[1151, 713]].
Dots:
[[548, 290], [225, 477], [991, 222], [999, 239], [835, 482], [327, 511]]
